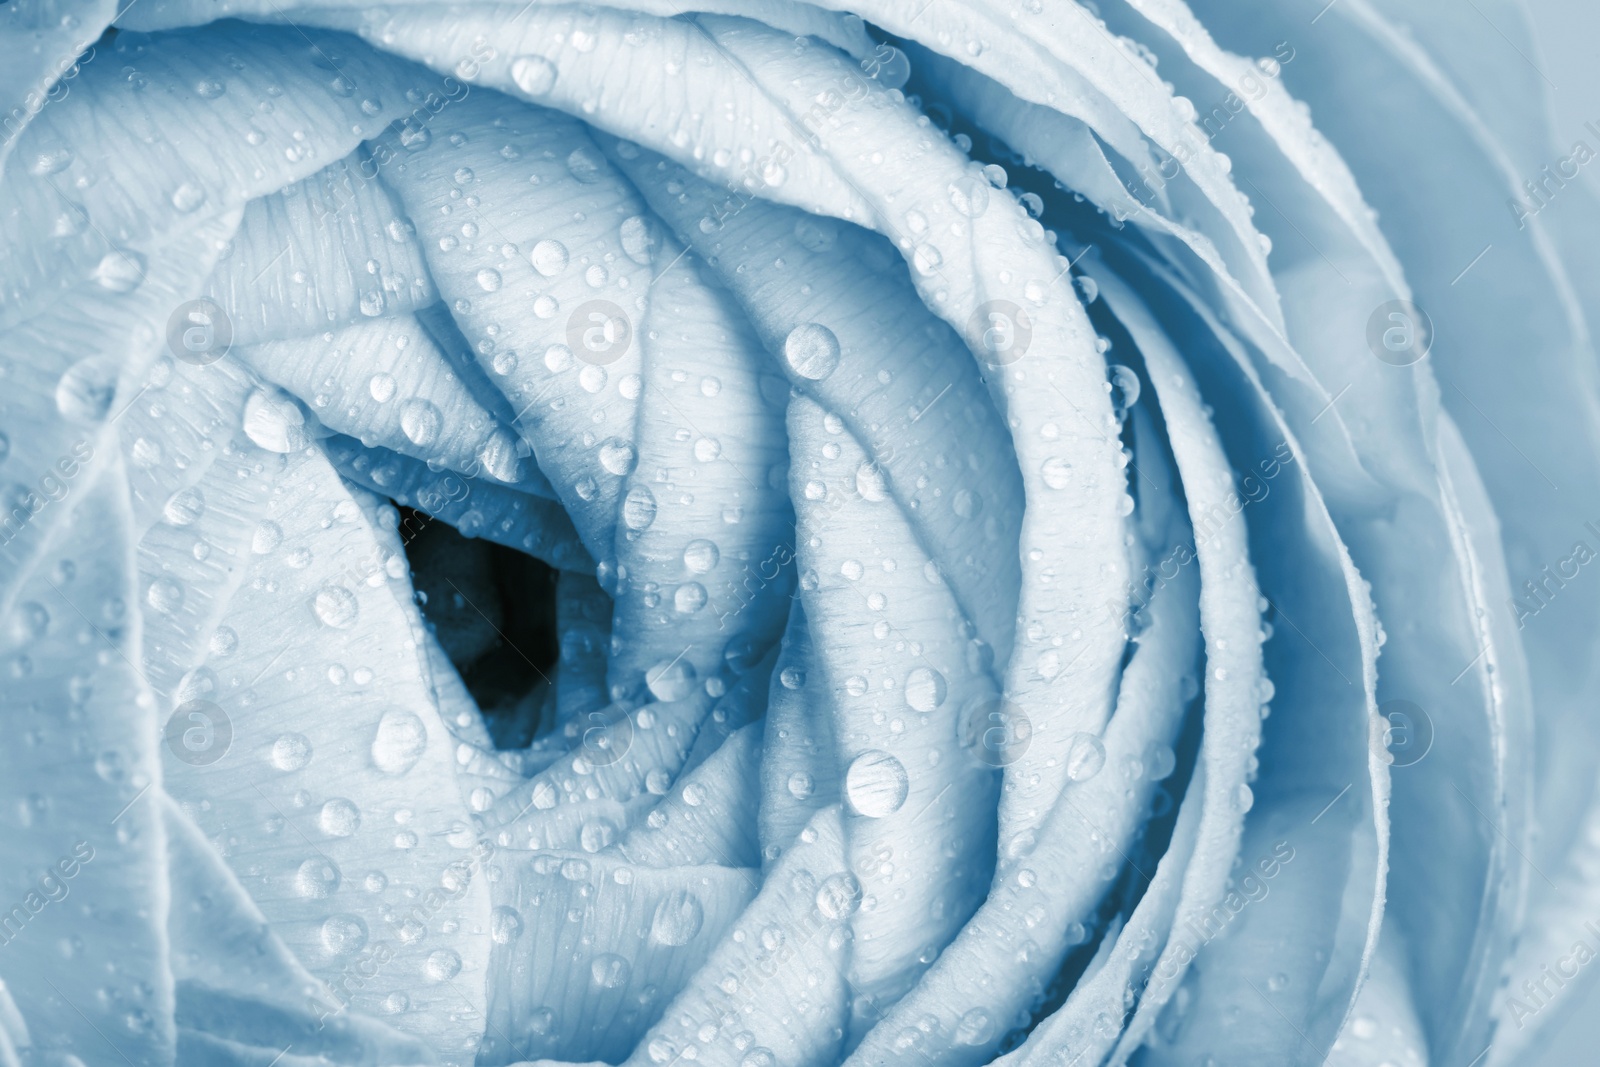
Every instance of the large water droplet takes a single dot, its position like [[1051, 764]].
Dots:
[[399, 742], [268, 535], [812, 351], [638, 242], [534, 75], [700, 556], [85, 391], [639, 508], [689, 598], [184, 507], [1124, 388], [549, 258], [336, 606], [316, 878], [585, 165], [339, 817], [839, 896], [505, 924], [925, 689], [974, 1028], [188, 197], [120, 270], [970, 195], [671, 680], [290, 752], [165, 595], [876, 784], [343, 934], [677, 919], [1086, 755], [274, 421], [442, 965], [871, 483], [421, 421], [1056, 472], [609, 971], [499, 456], [617, 456]]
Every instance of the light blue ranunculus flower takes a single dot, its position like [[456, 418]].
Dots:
[[772, 534]]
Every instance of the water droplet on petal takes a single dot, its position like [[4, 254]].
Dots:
[[443, 964], [700, 556], [677, 918], [499, 456], [421, 421], [839, 896], [638, 241], [274, 421], [671, 680], [617, 456], [290, 752], [639, 508], [925, 689], [975, 1028], [400, 741], [84, 393], [585, 165], [1086, 755], [316, 878], [1056, 472], [505, 924], [876, 784], [339, 817], [970, 195], [549, 258], [689, 598], [336, 606], [165, 595], [609, 971], [534, 75], [184, 507], [188, 197], [871, 483], [120, 270], [812, 351]]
